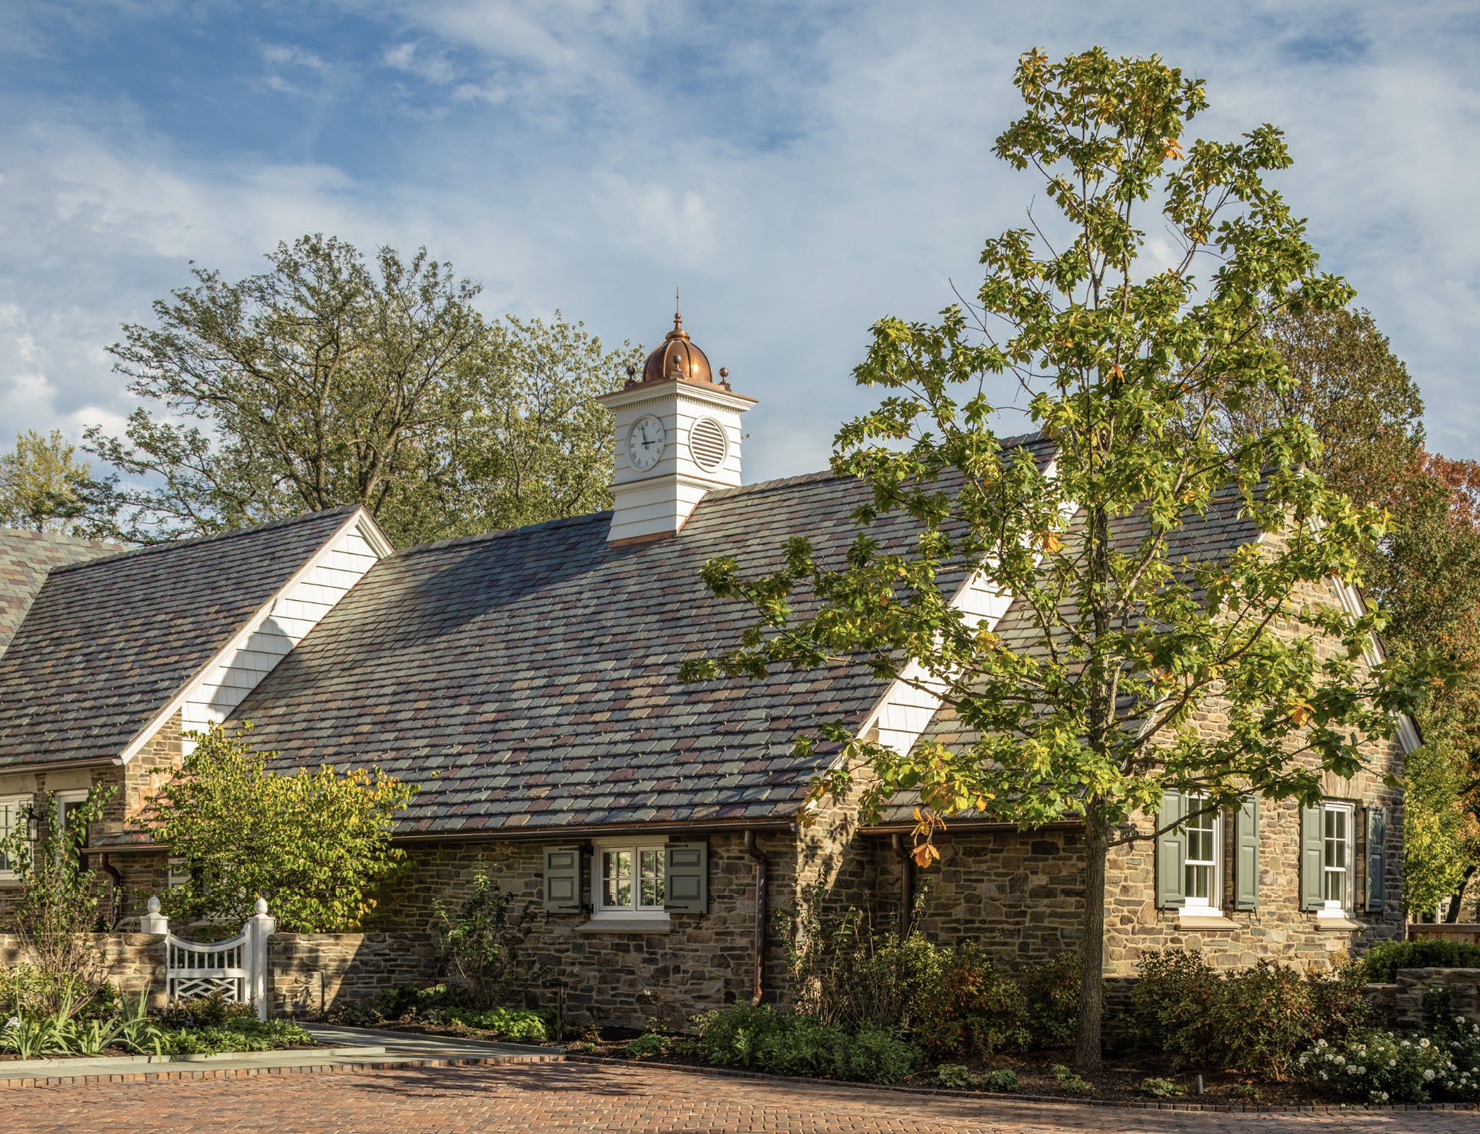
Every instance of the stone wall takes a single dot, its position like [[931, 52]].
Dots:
[[1402, 1002], [132, 961], [624, 977], [311, 973]]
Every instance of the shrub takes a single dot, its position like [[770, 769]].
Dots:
[[1256, 1020], [1158, 1088], [1379, 1067], [407, 1002], [954, 1076], [518, 1025], [1002, 1079], [483, 943], [844, 972], [211, 1011], [972, 1009], [1052, 991], [646, 1046], [1068, 1081], [780, 1043], [1383, 960]]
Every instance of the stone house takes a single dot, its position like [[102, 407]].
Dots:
[[526, 681]]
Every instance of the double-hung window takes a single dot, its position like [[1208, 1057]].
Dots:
[[1336, 857], [67, 804], [15, 813], [628, 880], [1202, 884]]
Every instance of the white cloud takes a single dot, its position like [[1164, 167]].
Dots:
[[430, 66]]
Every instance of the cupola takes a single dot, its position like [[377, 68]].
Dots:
[[677, 437]]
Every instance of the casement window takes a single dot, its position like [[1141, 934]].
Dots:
[[629, 879], [1202, 864], [15, 812]]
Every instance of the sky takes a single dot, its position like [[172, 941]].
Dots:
[[801, 169]]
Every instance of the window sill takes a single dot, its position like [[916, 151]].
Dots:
[[1338, 923], [1210, 919], [625, 925]]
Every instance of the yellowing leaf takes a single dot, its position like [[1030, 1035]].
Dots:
[[924, 855], [1052, 542], [1173, 150]]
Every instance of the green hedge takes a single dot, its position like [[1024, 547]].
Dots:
[[783, 1043], [1383, 960]]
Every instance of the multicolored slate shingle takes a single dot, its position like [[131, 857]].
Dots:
[[107, 643], [25, 559], [529, 679]]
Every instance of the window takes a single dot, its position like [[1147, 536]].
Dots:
[[629, 879], [1336, 857], [67, 803], [1203, 842], [14, 812]]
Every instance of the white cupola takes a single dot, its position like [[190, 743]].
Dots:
[[678, 437]]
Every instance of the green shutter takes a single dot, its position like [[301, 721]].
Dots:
[[686, 878], [563, 880], [1171, 852], [1246, 855], [1376, 858], [1312, 858]]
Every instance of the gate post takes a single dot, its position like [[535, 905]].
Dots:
[[259, 928], [154, 921]]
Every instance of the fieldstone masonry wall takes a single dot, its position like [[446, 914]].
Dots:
[[310, 973], [703, 961], [1402, 1002], [132, 961]]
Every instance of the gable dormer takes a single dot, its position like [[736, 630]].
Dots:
[[677, 437]]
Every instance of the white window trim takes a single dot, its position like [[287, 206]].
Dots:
[[1342, 909], [1212, 905], [600, 911], [17, 802], [69, 799]]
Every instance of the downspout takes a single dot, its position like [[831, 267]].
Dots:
[[906, 884], [113, 873], [759, 856]]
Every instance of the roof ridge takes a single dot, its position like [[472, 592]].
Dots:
[[60, 538], [500, 533], [214, 537]]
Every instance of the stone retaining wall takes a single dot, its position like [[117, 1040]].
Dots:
[[1464, 933], [132, 961], [309, 974], [1401, 1003]]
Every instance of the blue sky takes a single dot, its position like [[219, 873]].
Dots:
[[801, 169]]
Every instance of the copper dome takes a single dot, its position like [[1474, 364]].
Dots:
[[678, 358]]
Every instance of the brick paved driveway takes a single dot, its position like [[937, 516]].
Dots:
[[549, 1097]]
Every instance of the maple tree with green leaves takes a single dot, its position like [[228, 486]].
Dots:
[[1133, 364]]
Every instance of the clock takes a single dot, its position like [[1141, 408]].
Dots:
[[645, 442]]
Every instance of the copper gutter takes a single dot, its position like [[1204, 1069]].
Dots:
[[761, 871]]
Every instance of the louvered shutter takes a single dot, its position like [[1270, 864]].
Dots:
[[1246, 855], [1171, 852], [686, 877], [562, 879], [1312, 858], [1376, 858]]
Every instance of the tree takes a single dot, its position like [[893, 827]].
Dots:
[[314, 844], [1349, 387], [58, 905], [327, 380], [43, 487], [1122, 633]]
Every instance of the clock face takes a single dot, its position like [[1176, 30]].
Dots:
[[645, 441]]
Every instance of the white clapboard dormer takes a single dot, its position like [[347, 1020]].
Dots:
[[677, 437]]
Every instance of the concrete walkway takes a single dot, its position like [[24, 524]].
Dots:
[[350, 1049]]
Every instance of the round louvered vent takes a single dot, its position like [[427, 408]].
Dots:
[[707, 444]]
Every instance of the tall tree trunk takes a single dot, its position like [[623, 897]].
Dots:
[[1087, 1055], [1457, 903]]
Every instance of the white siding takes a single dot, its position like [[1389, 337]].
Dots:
[[295, 612], [904, 711]]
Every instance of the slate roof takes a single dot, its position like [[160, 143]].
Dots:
[[1210, 537], [107, 643], [528, 679], [25, 559]]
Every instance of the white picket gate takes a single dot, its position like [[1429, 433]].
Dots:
[[236, 968]]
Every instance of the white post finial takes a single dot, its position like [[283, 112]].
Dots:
[[261, 907], [258, 929], [154, 921]]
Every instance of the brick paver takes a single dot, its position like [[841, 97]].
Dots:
[[545, 1098]]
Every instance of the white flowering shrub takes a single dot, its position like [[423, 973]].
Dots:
[[1381, 1067]]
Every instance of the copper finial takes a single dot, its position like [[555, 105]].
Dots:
[[724, 377], [632, 374], [678, 332]]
